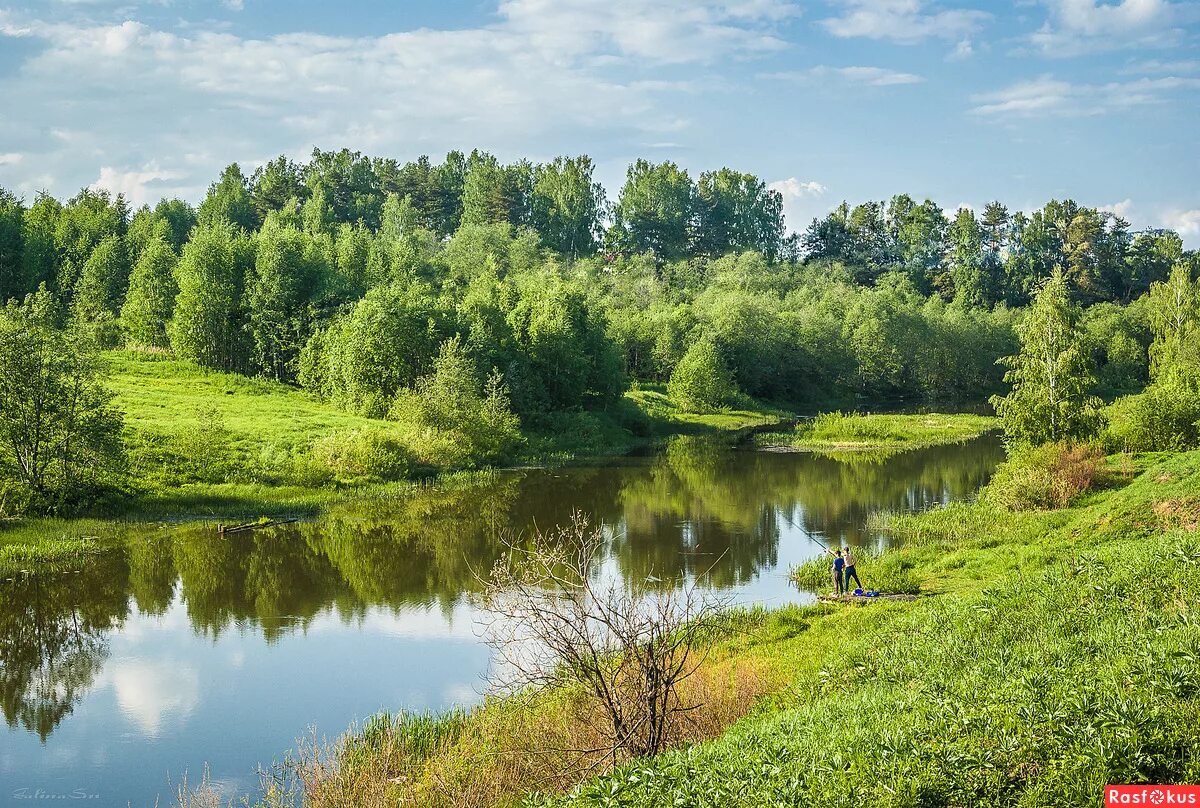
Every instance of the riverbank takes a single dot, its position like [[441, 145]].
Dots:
[[1040, 663], [841, 433], [211, 446]]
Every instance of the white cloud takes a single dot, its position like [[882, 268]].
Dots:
[[875, 76], [1124, 208], [799, 199], [234, 5], [10, 27], [1184, 222], [963, 50], [544, 73], [1047, 96], [905, 21], [1081, 26], [1159, 67], [139, 186], [664, 31], [150, 691], [11, 158], [872, 76]]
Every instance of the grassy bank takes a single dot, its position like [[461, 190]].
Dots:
[[1044, 662], [835, 433], [1049, 663], [220, 446]]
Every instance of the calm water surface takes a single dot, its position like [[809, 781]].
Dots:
[[193, 649]]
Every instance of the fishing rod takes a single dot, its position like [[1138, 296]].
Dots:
[[808, 535]]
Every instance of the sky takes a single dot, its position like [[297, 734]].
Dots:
[[828, 100]]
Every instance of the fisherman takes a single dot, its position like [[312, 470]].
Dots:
[[839, 564], [850, 572]]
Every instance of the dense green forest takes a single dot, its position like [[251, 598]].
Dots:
[[475, 301]]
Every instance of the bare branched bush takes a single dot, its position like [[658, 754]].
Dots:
[[558, 622]]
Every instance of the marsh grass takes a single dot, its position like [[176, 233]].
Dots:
[[877, 437]]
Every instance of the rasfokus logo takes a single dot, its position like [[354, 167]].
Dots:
[[1151, 795]]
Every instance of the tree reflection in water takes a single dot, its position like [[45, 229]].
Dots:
[[53, 640], [696, 509]]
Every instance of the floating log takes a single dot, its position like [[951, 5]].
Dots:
[[225, 530]]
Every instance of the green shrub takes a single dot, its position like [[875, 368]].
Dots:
[[701, 381], [453, 422], [363, 454], [1046, 476], [1163, 417]]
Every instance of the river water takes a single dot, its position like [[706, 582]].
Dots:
[[193, 650]]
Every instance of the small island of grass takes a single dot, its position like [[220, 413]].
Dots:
[[836, 432]]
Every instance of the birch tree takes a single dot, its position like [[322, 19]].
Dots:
[[1051, 375]]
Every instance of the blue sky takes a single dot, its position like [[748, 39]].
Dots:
[[961, 102]]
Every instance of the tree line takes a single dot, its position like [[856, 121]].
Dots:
[[475, 299]]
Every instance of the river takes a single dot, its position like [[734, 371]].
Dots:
[[193, 650]]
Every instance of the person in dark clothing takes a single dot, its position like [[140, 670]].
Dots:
[[850, 571], [839, 564]]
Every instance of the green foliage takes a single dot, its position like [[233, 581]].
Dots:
[[97, 298], [363, 455], [1117, 339], [701, 381], [277, 295], [455, 421], [1164, 417], [1175, 318], [207, 323], [12, 220], [80, 226], [495, 193], [228, 202], [736, 212], [836, 431], [383, 344], [1051, 377], [654, 211], [60, 438], [151, 300], [571, 361], [566, 206], [1046, 476], [39, 254]]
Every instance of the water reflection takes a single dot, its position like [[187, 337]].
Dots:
[[369, 574], [53, 641]]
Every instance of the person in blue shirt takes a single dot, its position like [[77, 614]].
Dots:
[[839, 564]]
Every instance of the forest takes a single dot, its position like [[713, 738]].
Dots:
[[476, 303]]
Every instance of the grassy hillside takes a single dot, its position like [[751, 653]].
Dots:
[[1060, 651], [165, 397], [208, 443], [1051, 652]]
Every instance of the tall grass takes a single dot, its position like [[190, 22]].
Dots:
[[837, 431]]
